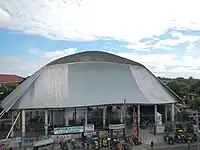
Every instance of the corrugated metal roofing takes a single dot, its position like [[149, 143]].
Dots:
[[89, 82]]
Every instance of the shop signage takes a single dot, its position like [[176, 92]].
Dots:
[[89, 128], [116, 126], [90, 134], [67, 130]]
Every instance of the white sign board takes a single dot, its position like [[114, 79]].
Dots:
[[89, 128], [116, 126]]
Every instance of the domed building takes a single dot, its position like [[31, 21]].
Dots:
[[91, 79]]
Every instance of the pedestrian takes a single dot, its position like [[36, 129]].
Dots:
[[152, 144], [154, 130]]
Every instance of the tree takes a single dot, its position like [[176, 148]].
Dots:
[[6, 89], [195, 104], [180, 88]]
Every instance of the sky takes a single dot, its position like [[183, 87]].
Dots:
[[164, 35]]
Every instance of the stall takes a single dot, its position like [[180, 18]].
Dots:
[[116, 130]]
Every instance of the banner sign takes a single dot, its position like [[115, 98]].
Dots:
[[89, 128], [67, 130], [116, 126]]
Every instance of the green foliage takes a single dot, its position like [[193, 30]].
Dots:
[[196, 104], [6, 89], [181, 86], [184, 87]]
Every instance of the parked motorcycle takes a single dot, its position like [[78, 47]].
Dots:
[[188, 138], [104, 142], [169, 138], [95, 144], [85, 145], [65, 146], [136, 141], [126, 146], [179, 138], [75, 144], [115, 145]]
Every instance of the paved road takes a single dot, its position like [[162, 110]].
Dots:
[[171, 147]]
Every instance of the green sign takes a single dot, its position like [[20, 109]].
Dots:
[[67, 130]]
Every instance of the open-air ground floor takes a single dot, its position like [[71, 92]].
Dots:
[[60, 123]]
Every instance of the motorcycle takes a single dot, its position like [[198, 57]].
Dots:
[[75, 144], [136, 141], [95, 144], [104, 142], [180, 138], [85, 145], [188, 138], [126, 146], [169, 138]]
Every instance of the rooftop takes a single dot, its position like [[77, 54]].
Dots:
[[6, 78]]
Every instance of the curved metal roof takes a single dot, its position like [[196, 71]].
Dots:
[[89, 79], [93, 56]]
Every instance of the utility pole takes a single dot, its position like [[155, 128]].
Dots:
[[197, 127], [197, 117]]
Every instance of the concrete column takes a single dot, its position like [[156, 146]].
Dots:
[[50, 117], [86, 116], [173, 112], [166, 110], [46, 124], [23, 123], [75, 115], [104, 117], [122, 114], [12, 119], [54, 117], [155, 113], [67, 117], [138, 116]]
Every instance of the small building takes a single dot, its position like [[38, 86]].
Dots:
[[10, 79]]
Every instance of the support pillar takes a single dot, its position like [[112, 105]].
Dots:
[[50, 117], [66, 117], [104, 117], [12, 118], [23, 123], [86, 116], [122, 114], [138, 117], [166, 112], [54, 117], [75, 115], [46, 124], [173, 112], [155, 113]]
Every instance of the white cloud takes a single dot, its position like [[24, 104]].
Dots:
[[168, 65], [27, 66], [165, 44], [59, 53], [127, 20]]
